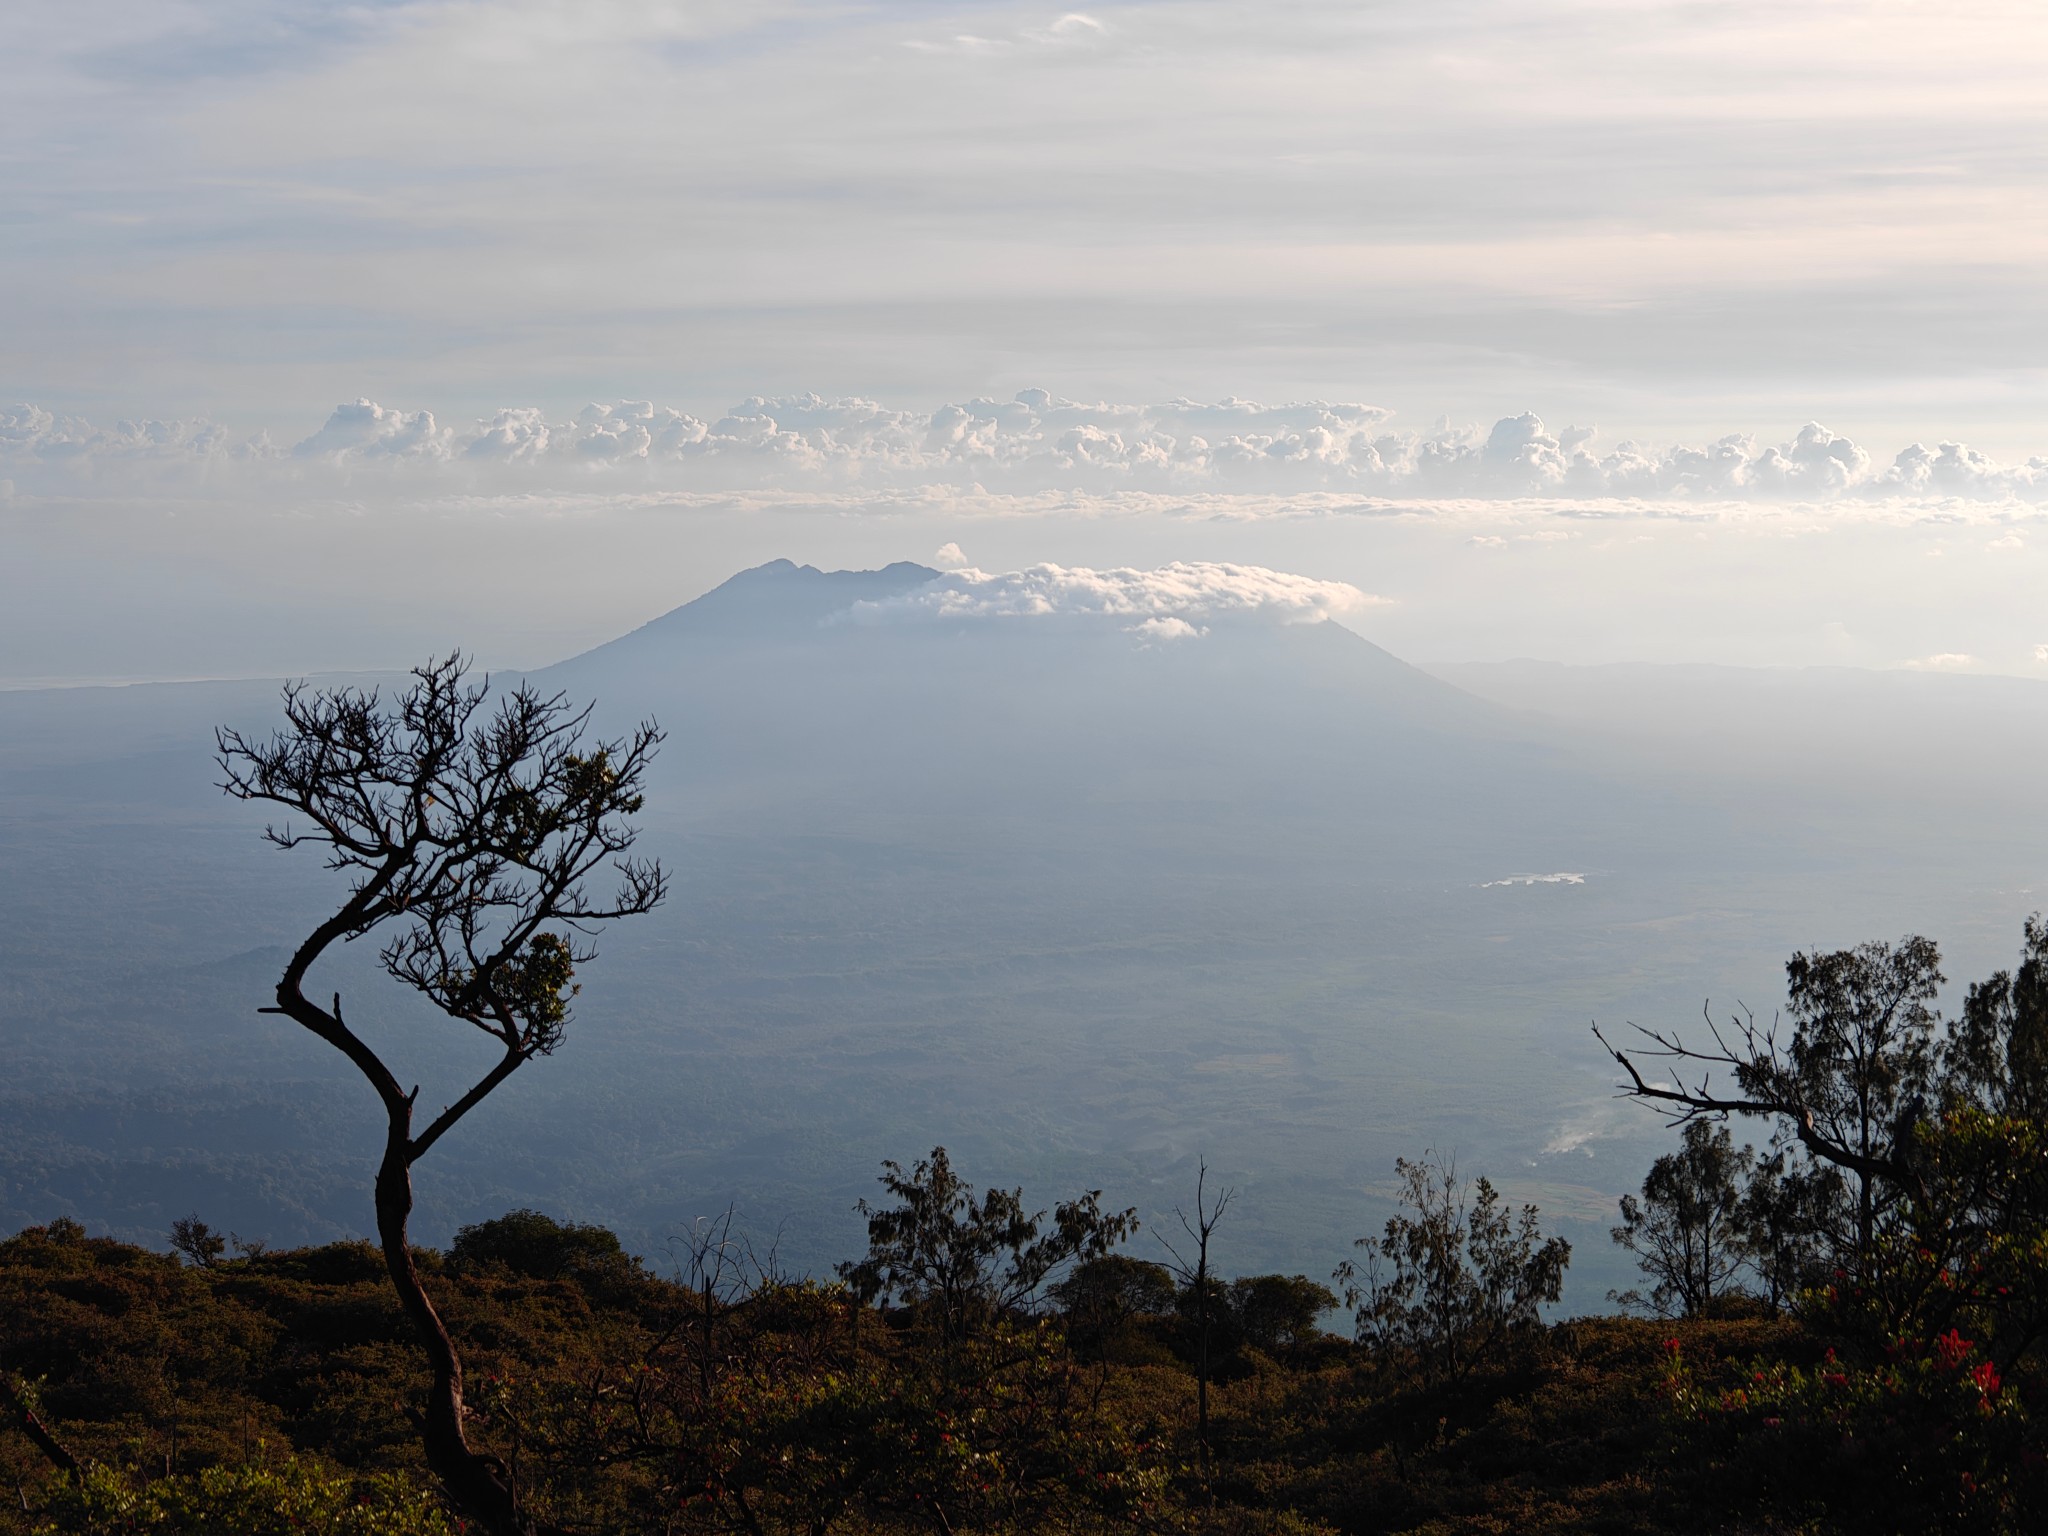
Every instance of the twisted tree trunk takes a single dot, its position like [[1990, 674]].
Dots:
[[479, 1485]]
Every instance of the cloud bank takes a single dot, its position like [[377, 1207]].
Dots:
[[1173, 602], [1033, 444]]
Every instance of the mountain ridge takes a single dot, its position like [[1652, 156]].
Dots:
[[774, 597]]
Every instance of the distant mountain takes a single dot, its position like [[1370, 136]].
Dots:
[[788, 689]]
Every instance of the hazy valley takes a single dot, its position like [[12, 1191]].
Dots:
[[1080, 903]]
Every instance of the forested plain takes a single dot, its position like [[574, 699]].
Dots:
[[1811, 1361]]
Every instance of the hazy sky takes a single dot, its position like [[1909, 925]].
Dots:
[[1675, 233]]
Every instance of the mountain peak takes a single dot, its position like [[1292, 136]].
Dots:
[[779, 597], [889, 579], [793, 591]]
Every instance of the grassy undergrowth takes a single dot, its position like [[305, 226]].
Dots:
[[273, 1392]]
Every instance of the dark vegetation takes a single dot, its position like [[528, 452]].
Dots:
[[280, 1390], [1847, 1333]]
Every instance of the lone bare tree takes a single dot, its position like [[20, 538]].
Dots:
[[1199, 1280], [468, 837]]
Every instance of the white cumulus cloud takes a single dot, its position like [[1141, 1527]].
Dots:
[[1031, 444], [70, 448], [1943, 661], [1171, 602], [367, 431], [1159, 630]]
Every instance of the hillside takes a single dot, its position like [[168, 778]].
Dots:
[[591, 1373]]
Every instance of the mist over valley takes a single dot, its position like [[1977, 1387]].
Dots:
[[1083, 875]]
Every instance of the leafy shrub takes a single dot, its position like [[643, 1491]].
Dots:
[[1456, 1277], [965, 1259], [529, 1243], [291, 1498], [1103, 1298], [1930, 1437], [1277, 1312]]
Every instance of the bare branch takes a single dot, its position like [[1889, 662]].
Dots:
[[506, 1066], [1771, 1084]]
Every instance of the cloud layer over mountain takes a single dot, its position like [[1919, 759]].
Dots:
[[1173, 602], [1034, 443]]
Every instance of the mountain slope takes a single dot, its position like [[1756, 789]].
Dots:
[[784, 698]]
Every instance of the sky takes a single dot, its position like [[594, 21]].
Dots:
[[1591, 330]]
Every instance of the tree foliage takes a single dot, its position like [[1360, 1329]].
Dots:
[[1860, 1063], [529, 1243], [966, 1259], [1101, 1298], [197, 1241], [1996, 1057], [1793, 1210], [467, 838], [1456, 1275], [1849, 1083], [1688, 1231], [1912, 1236], [1273, 1313]]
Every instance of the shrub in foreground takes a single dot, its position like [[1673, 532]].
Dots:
[[290, 1498]]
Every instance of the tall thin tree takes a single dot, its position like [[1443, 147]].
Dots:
[[467, 838], [1201, 1283]]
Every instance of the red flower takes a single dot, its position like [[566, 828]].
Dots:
[[1986, 1378], [1951, 1349]]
